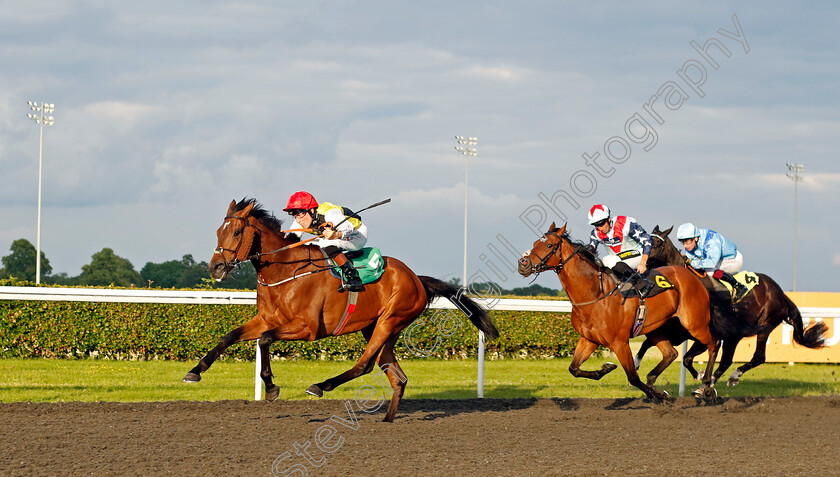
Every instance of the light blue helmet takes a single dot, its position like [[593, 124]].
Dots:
[[687, 231]]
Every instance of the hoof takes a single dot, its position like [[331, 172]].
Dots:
[[314, 390], [192, 378], [272, 393], [733, 382], [709, 394], [609, 367]]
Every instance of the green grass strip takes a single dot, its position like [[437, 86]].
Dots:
[[59, 380]]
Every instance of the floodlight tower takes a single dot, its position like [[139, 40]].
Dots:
[[795, 174], [43, 117]]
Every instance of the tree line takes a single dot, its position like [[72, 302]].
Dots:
[[107, 268]]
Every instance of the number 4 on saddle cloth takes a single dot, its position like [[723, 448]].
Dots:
[[748, 279], [367, 261]]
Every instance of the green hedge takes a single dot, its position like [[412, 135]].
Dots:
[[186, 332]]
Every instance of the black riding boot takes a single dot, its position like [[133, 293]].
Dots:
[[740, 291], [353, 282], [640, 283]]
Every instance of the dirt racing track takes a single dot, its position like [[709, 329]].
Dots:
[[746, 436]]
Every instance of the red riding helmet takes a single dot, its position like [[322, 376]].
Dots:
[[301, 200]]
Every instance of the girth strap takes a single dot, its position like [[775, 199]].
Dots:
[[348, 310]]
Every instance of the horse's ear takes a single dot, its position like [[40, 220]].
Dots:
[[230, 209], [656, 229], [247, 210], [666, 232], [562, 230], [552, 227]]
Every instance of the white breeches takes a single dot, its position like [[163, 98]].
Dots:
[[729, 265], [612, 259], [355, 240]]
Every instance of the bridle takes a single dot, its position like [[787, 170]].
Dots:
[[242, 254], [239, 254], [542, 265]]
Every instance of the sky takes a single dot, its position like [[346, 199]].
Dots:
[[668, 112]]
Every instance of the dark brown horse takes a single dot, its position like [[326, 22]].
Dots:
[[606, 319], [759, 313], [297, 302]]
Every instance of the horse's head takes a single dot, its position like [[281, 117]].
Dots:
[[663, 251], [545, 254], [235, 239]]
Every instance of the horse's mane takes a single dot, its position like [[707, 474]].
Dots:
[[584, 251], [263, 216]]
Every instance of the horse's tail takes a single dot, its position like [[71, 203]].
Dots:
[[813, 337], [477, 314]]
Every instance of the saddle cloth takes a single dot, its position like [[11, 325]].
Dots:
[[659, 281], [748, 279], [367, 261]]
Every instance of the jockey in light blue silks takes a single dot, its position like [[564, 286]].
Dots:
[[710, 251], [628, 245]]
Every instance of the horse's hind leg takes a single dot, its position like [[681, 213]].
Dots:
[[376, 340], [688, 360], [583, 350], [396, 376], [728, 352], [251, 330], [637, 360], [669, 354], [757, 359]]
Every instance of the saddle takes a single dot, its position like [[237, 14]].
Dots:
[[628, 290]]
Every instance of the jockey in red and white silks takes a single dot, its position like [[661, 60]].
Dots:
[[338, 229], [626, 241]]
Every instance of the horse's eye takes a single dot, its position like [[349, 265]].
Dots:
[[551, 245], [237, 233]]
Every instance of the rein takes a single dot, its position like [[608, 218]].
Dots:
[[236, 260]]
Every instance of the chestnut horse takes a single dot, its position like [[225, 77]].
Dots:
[[605, 318], [296, 302], [759, 313]]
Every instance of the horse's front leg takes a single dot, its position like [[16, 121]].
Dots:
[[583, 350], [296, 330], [625, 357], [249, 331], [707, 390]]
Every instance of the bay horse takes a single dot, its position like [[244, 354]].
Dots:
[[605, 318], [759, 312], [296, 302]]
